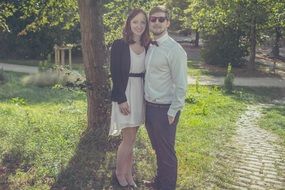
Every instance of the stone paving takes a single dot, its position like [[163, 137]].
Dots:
[[256, 159]]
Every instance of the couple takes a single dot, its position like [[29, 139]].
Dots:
[[149, 86]]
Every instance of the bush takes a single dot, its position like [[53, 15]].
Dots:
[[42, 79], [46, 64], [229, 80], [51, 78], [224, 47]]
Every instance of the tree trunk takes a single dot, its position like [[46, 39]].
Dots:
[[275, 49], [95, 65], [197, 37], [252, 44]]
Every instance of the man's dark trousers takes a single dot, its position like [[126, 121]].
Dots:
[[162, 137]]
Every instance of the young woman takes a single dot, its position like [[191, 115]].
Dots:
[[128, 109]]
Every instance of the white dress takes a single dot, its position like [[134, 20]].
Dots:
[[135, 98]]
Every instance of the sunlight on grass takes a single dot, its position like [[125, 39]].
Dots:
[[206, 123], [274, 120], [203, 128], [42, 129], [195, 69]]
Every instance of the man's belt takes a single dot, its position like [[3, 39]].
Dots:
[[157, 105]]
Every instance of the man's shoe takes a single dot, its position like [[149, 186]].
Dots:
[[133, 186], [152, 184]]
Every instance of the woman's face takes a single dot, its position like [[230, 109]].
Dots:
[[138, 25]]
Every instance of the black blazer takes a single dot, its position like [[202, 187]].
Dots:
[[120, 68]]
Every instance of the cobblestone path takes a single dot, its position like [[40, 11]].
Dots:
[[255, 158]]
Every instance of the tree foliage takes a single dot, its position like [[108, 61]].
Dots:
[[48, 22], [255, 19], [252, 18], [6, 10], [33, 27], [115, 14]]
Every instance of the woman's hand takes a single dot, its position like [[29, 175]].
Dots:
[[124, 108]]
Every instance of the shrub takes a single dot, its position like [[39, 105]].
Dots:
[[223, 47], [229, 80], [51, 78], [18, 101], [197, 84], [46, 64]]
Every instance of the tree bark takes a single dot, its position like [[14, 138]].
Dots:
[[275, 49], [197, 37], [95, 65], [252, 44]]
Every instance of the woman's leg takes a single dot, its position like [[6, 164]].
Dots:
[[124, 156], [129, 161]]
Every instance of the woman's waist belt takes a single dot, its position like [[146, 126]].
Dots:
[[136, 75]]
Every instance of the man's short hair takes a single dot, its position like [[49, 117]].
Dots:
[[160, 9]]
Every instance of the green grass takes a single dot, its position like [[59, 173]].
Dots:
[[40, 129], [259, 94], [274, 120], [44, 142], [210, 116], [195, 69]]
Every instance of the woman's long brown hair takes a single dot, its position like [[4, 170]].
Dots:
[[127, 32]]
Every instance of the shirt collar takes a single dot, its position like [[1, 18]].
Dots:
[[162, 38]]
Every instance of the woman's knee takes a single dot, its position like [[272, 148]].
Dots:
[[129, 135]]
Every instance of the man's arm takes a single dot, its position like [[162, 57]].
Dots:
[[178, 69]]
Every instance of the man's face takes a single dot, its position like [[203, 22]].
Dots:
[[158, 23]]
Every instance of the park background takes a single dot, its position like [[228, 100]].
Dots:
[[54, 121]]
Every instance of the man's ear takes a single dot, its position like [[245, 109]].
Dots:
[[168, 23]]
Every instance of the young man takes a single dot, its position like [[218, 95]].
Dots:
[[165, 89]]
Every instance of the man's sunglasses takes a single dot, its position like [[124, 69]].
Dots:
[[159, 18]]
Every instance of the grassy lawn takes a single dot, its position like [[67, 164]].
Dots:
[[44, 142], [274, 120], [40, 129]]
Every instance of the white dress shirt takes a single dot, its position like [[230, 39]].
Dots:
[[166, 74]]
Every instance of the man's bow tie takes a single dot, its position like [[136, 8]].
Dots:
[[154, 43]]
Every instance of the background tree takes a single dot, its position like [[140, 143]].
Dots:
[[95, 64], [197, 10], [6, 10], [254, 15], [222, 35], [83, 170], [35, 26], [276, 24], [246, 17], [55, 22]]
